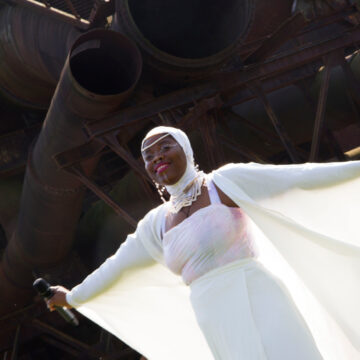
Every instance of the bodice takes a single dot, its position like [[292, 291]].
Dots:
[[211, 237]]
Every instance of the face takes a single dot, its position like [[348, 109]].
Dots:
[[165, 161]]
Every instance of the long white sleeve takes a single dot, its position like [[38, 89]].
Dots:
[[131, 254]]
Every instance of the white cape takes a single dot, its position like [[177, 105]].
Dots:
[[308, 212]]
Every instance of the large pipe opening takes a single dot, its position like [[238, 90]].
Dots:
[[190, 28], [106, 67]]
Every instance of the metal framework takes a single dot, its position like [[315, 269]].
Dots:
[[210, 103], [83, 14], [262, 67]]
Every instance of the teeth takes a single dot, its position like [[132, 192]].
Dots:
[[161, 167]]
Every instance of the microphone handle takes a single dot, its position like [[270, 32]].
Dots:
[[44, 290], [67, 315]]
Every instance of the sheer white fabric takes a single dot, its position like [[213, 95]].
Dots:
[[308, 212], [211, 237]]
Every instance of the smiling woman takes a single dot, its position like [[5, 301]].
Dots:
[[165, 161], [228, 306]]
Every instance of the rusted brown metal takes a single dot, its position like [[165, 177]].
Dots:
[[113, 143], [13, 150], [123, 152], [61, 10], [75, 347], [330, 61], [90, 351], [287, 30], [60, 345], [275, 71], [279, 128], [305, 86], [266, 135], [31, 59], [74, 170], [246, 153], [313, 9], [190, 50], [52, 198], [15, 350], [230, 83], [320, 115], [201, 109]]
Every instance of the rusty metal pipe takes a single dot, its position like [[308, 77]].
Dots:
[[187, 38], [100, 73], [33, 50]]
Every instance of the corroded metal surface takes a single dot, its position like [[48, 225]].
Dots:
[[52, 199], [187, 39], [79, 13], [33, 49], [258, 67]]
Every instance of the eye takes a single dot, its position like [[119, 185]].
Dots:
[[165, 147], [148, 157]]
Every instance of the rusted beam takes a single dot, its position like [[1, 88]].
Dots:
[[304, 86], [200, 110], [14, 150], [320, 115], [51, 199], [246, 153], [314, 26], [53, 12], [72, 9], [275, 67], [280, 130], [100, 12], [112, 142], [91, 352], [330, 61], [15, 350], [243, 94], [75, 171], [60, 345], [207, 126], [284, 33], [266, 135], [140, 112]]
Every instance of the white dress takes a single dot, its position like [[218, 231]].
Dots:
[[307, 212], [243, 311]]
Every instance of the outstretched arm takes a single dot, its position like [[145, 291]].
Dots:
[[131, 254]]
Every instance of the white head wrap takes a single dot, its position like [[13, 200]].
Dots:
[[188, 188]]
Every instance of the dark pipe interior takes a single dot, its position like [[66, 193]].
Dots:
[[105, 70], [190, 28]]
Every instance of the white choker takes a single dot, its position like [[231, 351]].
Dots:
[[186, 190]]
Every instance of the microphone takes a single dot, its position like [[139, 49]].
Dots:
[[44, 290]]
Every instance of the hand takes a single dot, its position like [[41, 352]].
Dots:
[[58, 299]]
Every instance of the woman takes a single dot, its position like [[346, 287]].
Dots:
[[203, 234]]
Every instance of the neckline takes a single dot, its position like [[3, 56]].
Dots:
[[195, 213]]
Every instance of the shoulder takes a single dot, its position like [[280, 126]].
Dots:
[[234, 171], [153, 217], [148, 231]]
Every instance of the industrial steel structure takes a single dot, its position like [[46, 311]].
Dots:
[[82, 81]]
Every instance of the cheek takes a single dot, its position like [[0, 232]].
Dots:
[[148, 169]]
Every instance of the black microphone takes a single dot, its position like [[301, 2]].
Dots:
[[44, 290]]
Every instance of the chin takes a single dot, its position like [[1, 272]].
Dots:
[[165, 179]]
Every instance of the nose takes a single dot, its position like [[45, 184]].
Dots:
[[158, 156]]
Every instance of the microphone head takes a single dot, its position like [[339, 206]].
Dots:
[[42, 287]]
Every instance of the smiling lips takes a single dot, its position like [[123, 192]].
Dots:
[[161, 167]]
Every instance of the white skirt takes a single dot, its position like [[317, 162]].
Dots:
[[245, 313]]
